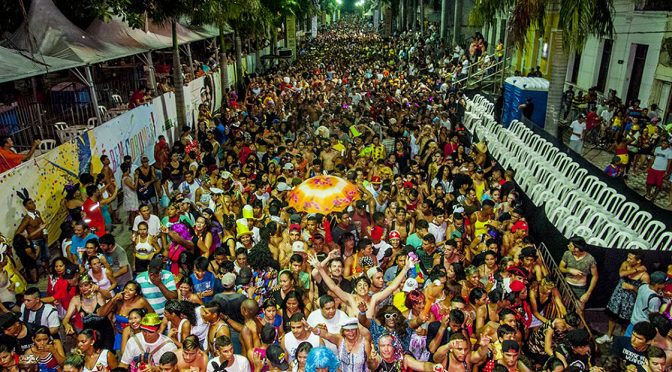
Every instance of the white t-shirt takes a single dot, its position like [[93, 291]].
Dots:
[[577, 130], [153, 225], [382, 247], [465, 66], [333, 324], [240, 364], [135, 348], [660, 158], [439, 231], [49, 317]]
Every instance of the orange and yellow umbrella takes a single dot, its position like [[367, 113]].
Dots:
[[323, 194]]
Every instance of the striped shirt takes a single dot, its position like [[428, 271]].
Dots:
[[152, 293]]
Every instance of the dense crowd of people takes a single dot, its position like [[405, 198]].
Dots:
[[431, 269], [637, 136]]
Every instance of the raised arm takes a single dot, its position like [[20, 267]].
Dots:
[[341, 294], [385, 293]]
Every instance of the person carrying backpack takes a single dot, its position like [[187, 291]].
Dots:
[[648, 300]]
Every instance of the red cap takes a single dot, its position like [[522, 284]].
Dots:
[[394, 234], [377, 233], [667, 287], [520, 225], [294, 226], [516, 286], [408, 184], [375, 179]]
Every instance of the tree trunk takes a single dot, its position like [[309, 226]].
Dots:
[[409, 14], [414, 15], [223, 63], [560, 60], [422, 15], [402, 15], [444, 20], [457, 24], [257, 55], [179, 81], [239, 62]]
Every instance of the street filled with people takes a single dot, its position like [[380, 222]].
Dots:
[[420, 260]]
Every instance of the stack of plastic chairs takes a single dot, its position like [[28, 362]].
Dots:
[[575, 202]]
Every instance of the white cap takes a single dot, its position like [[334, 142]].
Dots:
[[410, 285], [349, 323], [298, 246], [282, 186], [288, 166]]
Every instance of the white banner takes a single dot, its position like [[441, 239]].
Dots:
[[133, 133]]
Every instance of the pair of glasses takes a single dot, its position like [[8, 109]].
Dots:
[[391, 316]]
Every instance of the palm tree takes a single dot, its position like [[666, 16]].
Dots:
[[577, 20], [172, 11], [222, 13]]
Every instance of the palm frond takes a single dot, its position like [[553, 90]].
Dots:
[[525, 14], [581, 18]]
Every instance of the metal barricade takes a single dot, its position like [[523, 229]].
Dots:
[[568, 298]]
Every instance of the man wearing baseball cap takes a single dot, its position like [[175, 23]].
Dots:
[[648, 299], [277, 358]]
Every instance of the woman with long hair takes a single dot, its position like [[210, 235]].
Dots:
[[202, 236], [96, 357], [57, 286], [101, 276], [292, 304], [388, 320], [47, 350], [301, 356], [73, 202], [633, 274], [84, 307], [353, 347], [121, 304], [185, 291], [133, 326], [9, 360], [145, 247], [418, 321], [178, 318]]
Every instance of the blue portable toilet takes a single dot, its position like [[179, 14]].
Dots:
[[517, 90]]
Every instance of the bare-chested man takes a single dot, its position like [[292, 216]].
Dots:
[[210, 313], [251, 327]]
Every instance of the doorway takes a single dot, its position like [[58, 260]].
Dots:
[[638, 63], [604, 65]]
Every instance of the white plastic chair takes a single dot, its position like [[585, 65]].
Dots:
[[578, 175], [639, 220], [636, 244], [103, 112], [626, 211], [652, 230], [117, 100], [587, 182], [47, 144], [582, 231], [614, 203], [91, 123], [567, 224], [596, 241], [664, 242]]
